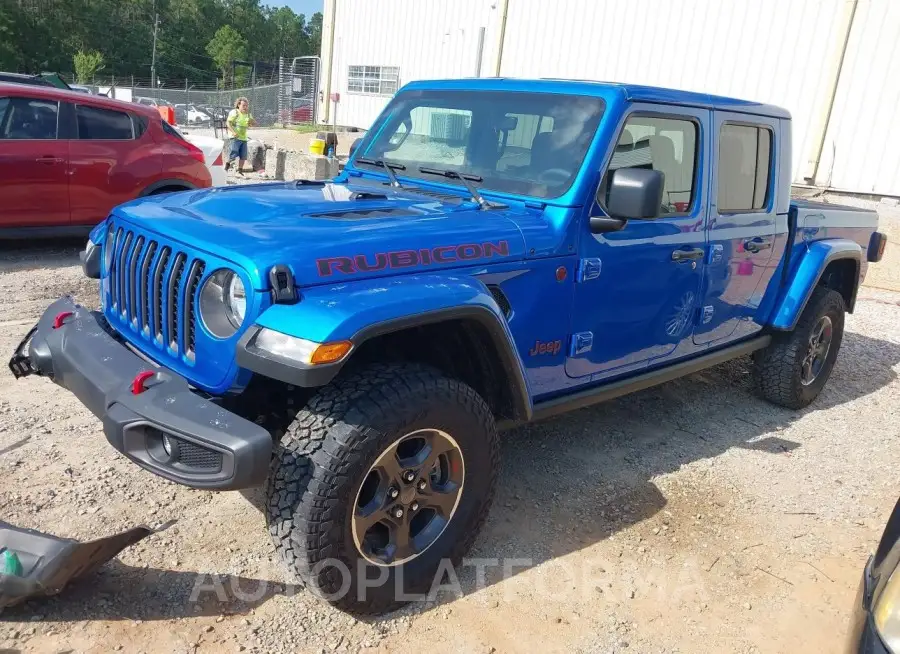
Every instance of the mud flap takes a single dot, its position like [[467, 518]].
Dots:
[[40, 565]]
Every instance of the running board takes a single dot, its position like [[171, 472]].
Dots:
[[605, 392]]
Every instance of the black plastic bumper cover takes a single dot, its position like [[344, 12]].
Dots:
[[205, 445], [47, 563]]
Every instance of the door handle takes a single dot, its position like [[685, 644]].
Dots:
[[49, 160], [754, 245], [687, 255]]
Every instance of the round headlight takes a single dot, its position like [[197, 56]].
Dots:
[[109, 247], [236, 301], [223, 303]]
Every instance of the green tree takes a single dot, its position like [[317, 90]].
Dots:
[[226, 46], [314, 34], [86, 65]]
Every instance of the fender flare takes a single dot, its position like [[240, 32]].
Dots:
[[334, 313], [155, 186], [805, 276]]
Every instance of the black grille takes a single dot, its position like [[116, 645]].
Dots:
[[153, 288], [194, 456], [501, 299]]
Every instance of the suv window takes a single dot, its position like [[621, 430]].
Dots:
[[665, 144], [103, 124], [28, 119], [745, 158]]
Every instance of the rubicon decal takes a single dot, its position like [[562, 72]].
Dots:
[[444, 254]]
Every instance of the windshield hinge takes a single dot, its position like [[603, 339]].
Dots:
[[534, 204]]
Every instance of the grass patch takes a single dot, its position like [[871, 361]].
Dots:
[[306, 128]]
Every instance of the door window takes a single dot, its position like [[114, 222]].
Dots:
[[745, 158], [668, 145], [28, 119], [103, 125]]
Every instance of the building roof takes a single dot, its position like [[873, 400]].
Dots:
[[630, 92]]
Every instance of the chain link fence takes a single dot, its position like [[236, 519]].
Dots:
[[286, 97]]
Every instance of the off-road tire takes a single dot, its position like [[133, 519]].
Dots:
[[778, 366], [325, 454]]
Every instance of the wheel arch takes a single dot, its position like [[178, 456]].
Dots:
[[834, 263], [167, 186], [453, 324]]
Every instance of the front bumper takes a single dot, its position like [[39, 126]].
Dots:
[[167, 428]]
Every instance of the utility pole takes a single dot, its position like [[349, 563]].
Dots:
[[153, 61]]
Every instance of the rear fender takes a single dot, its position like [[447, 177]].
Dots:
[[805, 275], [359, 311]]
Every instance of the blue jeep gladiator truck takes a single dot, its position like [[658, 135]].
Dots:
[[495, 252]]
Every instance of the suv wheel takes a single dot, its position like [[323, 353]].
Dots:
[[793, 369], [380, 479]]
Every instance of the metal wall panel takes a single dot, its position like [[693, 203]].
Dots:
[[778, 51], [426, 39], [862, 143], [765, 50]]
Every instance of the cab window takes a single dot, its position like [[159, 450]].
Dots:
[[666, 144]]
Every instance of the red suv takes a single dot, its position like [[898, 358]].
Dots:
[[67, 158]]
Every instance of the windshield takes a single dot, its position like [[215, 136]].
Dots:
[[521, 143]]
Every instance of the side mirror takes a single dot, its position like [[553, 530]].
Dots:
[[354, 145], [635, 193]]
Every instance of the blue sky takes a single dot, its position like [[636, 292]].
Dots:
[[305, 7]]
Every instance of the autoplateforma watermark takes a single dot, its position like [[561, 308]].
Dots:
[[547, 580]]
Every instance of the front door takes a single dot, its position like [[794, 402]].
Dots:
[[34, 182], [741, 224], [638, 289]]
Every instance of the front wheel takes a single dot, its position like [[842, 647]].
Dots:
[[383, 479], [793, 369]]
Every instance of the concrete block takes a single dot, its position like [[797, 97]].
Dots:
[[299, 165], [275, 163], [256, 154]]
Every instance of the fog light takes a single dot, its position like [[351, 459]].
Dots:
[[167, 445]]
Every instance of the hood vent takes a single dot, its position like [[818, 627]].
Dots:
[[360, 214]]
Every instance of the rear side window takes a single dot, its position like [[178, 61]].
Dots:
[[171, 131], [103, 124], [140, 125], [745, 158], [28, 119]]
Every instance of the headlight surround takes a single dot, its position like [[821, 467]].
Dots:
[[223, 303], [886, 612]]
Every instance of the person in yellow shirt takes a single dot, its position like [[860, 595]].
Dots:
[[239, 119]]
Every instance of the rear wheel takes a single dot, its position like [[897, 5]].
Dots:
[[794, 368], [382, 476]]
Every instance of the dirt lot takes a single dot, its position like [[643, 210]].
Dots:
[[690, 517]]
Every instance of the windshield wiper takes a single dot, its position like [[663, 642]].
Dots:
[[466, 179], [388, 166]]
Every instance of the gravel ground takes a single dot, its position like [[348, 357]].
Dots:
[[688, 517]]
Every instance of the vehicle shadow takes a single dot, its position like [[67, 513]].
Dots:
[[570, 482], [152, 594], [44, 254]]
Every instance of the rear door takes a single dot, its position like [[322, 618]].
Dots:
[[101, 161], [33, 164], [741, 225]]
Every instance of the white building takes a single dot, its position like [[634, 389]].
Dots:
[[835, 64]]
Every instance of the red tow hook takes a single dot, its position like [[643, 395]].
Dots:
[[137, 384], [60, 319]]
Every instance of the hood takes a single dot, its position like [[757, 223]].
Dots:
[[332, 232]]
